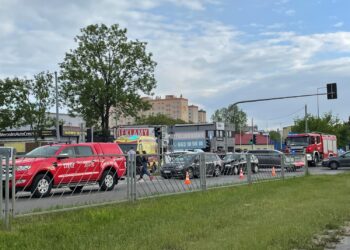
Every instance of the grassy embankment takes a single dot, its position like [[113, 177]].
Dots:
[[273, 215]]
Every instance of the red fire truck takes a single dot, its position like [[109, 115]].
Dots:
[[317, 146]]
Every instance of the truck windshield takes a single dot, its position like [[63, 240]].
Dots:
[[298, 141], [127, 147], [44, 151]]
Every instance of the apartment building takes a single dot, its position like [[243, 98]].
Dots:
[[202, 116], [171, 106], [193, 114]]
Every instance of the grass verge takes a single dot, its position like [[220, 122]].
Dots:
[[272, 215]]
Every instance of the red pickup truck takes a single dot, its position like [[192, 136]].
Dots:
[[72, 165]]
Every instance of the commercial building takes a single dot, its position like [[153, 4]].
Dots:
[[213, 137], [22, 139], [243, 141]]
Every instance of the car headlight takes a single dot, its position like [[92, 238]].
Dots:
[[23, 168]]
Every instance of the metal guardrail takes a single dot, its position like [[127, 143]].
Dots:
[[80, 181]]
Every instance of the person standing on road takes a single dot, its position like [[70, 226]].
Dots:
[[144, 170]]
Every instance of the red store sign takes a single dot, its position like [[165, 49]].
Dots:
[[135, 131]]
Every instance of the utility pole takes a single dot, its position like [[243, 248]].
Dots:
[[306, 126], [57, 114], [281, 135], [252, 133]]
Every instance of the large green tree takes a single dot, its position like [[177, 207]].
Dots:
[[106, 74], [328, 123], [232, 114], [26, 102], [158, 119], [11, 102]]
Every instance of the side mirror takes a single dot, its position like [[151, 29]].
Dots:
[[62, 156]]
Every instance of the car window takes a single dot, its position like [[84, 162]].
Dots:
[[44, 151], [83, 151], [68, 151], [208, 157], [347, 155]]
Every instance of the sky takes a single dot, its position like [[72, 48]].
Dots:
[[213, 52]]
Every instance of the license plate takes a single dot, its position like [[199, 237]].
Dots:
[[167, 172]]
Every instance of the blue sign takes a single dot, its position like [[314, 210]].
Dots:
[[188, 144]]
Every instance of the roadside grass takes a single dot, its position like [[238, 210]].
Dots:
[[271, 215]]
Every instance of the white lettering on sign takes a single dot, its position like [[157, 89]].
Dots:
[[190, 135], [135, 131]]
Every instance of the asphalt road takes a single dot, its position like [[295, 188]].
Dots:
[[64, 197]]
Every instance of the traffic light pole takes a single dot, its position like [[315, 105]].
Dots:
[[277, 98]]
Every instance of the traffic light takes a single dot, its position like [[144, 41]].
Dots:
[[254, 139], [331, 91]]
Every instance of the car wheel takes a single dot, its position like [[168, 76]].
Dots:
[[217, 171], [255, 169], [108, 180], [333, 165], [42, 185], [235, 170], [76, 189]]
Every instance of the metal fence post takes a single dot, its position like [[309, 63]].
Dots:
[[306, 165], [13, 184], [133, 166], [283, 160], [7, 194], [202, 172], [1, 188], [128, 177], [249, 169]]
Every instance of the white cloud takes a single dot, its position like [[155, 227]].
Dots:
[[290, 12], [211, 63], [338, 25]]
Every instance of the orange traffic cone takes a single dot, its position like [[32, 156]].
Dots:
[[241, 175], [273, 171], [187, 180]]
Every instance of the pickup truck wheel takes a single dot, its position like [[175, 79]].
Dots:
[[42, 185], [76, 189], [108, 180]]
